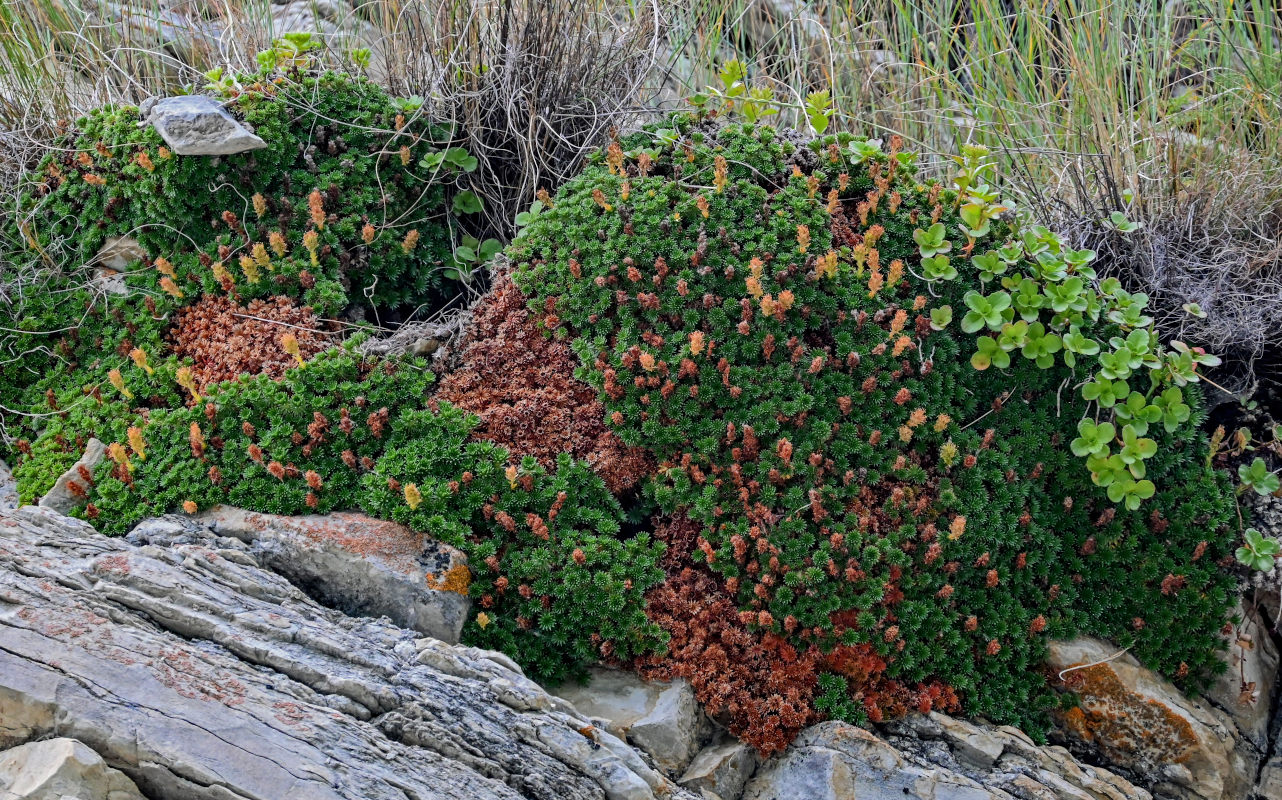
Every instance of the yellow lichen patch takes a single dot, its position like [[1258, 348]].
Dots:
[[1128, 728], [456, 579]]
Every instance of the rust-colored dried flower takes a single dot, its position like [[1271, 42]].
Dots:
[[316, 208]]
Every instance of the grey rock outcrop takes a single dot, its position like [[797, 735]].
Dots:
[[61, 769], [721, 770], [70, 490], [201, 675], [195, 125], [930, 758], [663, 719], [357, 564], [1246, 690], [1134, 719], [8, 488]]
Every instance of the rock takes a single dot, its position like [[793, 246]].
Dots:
[[720, 771], [68, 492], [1269, 785], [930, 758], [836, 761], [202, 676], [195, 125], [1134, 719], [120, 253], [61, 769], [8, 488], [357, 564], [1246, 689], [970, 743], [112, 260], [663, 719]]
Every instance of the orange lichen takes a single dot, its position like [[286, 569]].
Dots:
[[1128, 728], [456, 579]]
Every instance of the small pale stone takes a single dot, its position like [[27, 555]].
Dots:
[[195, 125], [61, 498]]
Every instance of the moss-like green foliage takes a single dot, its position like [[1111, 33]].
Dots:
[[554, 584], [757, 311], [337, 212]]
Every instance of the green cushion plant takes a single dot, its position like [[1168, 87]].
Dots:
[[772, 317]]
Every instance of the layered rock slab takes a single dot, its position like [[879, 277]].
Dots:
[[198, 674], [61, 769]]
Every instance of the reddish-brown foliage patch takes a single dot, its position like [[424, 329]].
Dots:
[[759, 684], [226, 340], [521, 383]]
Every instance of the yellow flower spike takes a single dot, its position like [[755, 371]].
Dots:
[[140, 360], [410, 242], [118, 381], [895, 273], [721, 174], [311, 240], [696, 343], [625, 191], [812, 186], [826, 266], [137, 444], [316, 207], [875, 282], [702, 203], [598, 197], [483, 620], [405, 155], [277, 240], [260, 256], [833, 202], [197, 439], [941, 422], [165, 268], [250, 269], [170, 288], [511, 474], [412, 496], [187, 380], [290, 342], [221, 274], [803, 237], [947, 453], [956, 528], [118, 454], [614, 158], [260, 205]]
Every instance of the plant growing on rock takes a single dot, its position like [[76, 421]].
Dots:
[[554, 585], [335, 215], [905, 504]]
